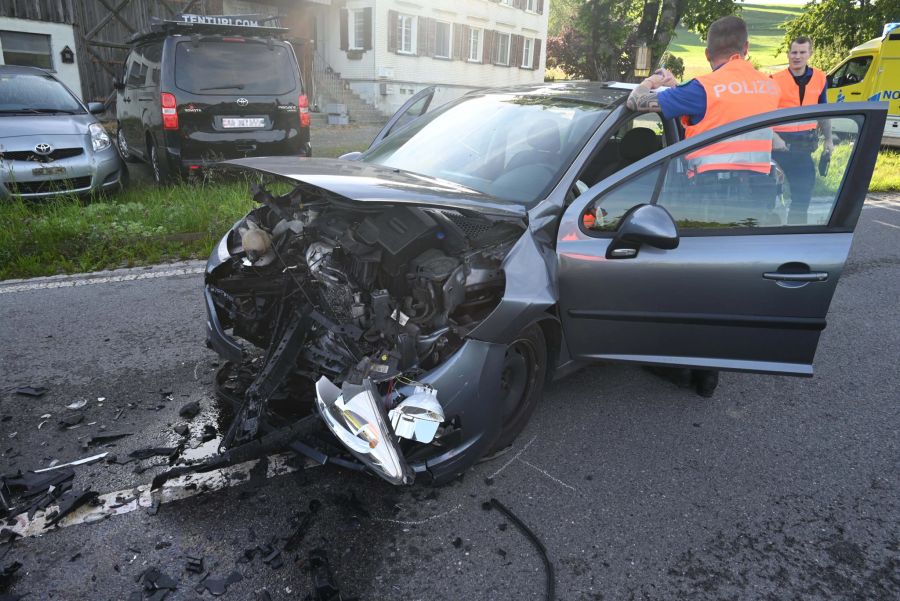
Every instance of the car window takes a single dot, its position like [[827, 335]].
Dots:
[[639, 137], [851, 72], [137, 70], [509, 146], [736, 183], [153, 58], [245, 67], [34, 93]]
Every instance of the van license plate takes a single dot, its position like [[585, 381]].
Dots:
[[49, 171], [230, 123]]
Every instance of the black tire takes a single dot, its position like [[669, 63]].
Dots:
[[122, 145], [158, 165], [522, 382]]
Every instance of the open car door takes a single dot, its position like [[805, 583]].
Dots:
[[413, 108], [669, 263]]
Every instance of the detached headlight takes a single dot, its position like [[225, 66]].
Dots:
[[99, 138]]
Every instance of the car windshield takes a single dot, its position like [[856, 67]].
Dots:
[[245, 67], [509, 146], [35, 93]]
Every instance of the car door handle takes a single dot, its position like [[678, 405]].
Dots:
[[145, 98], [811, 276]]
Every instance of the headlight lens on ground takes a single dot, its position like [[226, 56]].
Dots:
[[99, 138]]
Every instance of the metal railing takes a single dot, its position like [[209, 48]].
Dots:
[[327, 85]]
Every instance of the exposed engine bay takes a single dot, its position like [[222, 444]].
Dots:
[[360, 299]]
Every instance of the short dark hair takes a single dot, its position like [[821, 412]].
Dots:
[[726, 36], [802, 39]]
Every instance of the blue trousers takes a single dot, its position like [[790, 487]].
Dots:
[[800, 173]]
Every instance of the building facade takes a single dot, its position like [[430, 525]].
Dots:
[[387, 50], [44, 39]]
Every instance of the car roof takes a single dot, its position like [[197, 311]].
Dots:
[[23, 70], [607, 93]]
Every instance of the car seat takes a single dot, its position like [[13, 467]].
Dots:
[[636, 144]]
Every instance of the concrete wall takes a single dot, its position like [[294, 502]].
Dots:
[[405, 75], [61, 35]]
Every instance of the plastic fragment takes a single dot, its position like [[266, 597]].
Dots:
[[79, 404], [32, 391]]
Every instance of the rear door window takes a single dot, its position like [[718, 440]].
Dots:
[[220, 67]]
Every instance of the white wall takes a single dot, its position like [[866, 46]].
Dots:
[[61, 35], [405, 75]]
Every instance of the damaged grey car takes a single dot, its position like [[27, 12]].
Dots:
[[412, 301]]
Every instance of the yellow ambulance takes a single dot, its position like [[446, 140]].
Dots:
[[872, 72]]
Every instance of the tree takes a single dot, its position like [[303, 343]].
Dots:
[[600, 44], [836, 26]]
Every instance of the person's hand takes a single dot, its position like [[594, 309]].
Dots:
[[668, 79], [663, 77]]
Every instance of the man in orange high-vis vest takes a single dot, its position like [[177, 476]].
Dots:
[[800, 85], [732, 91]]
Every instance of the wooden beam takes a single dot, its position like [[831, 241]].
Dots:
[[100, 60], [113, 12], [116, 13], [105, 44]]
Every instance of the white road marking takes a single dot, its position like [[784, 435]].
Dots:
[[89, 281], [508, 463], [131, 499], [419, 522], [555, 479], [887, 224]]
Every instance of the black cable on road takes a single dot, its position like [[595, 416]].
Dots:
[[551, 579]]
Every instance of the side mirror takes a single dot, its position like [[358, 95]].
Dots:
[[351, 156], [95, 108], [644, 224]]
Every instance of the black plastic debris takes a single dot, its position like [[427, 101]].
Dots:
[[217, 586], [8, 573], [69, 502], [11, 597], [32, 391], [189, 410], [103, 438], [306, 519], [153, 452], [73, 419], [157, 584], [194, 564], [33, 491], [263, 595], [209, 432], [182, 430], [530, 535], [457, 542], [274, 559], [323, 584]]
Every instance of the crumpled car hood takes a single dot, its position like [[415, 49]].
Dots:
[[366, 182]]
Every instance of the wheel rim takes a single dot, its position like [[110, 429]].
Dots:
[[123, 145], [517, 377], [154, 162]]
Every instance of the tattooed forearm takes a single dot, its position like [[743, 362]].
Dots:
[[643, 100]]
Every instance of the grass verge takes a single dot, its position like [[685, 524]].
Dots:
[[142, 225]]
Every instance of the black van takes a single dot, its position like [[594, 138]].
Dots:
[[194, 93]]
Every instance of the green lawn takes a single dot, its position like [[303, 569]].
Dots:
[[765, 38]]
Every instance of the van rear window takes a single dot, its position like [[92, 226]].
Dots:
[[213, 67]]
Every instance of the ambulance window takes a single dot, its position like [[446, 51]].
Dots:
[[851, 72]]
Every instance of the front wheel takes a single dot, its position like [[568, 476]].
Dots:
[[124, 150], [521, 382]]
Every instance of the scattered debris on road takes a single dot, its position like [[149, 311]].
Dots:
[[70, 421], [82, 461], [190, 410], [79, 404], [217, 586], [194, 564], [32, 391], [551, 579]]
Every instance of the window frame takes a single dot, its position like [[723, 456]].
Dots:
[[449, 27], [531, 6], [49, 55], [527, 53], [412, 21], [842, 219], [479, 45], [497, 47], [355, 16]]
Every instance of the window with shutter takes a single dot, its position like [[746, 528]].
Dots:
[[406, 34], [393, 30], [442, 42], [487, 46], [345, 35], [501, 48], [536, 61], [475, 50], [527, 53]]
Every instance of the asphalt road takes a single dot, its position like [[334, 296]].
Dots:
[[777, 488]]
